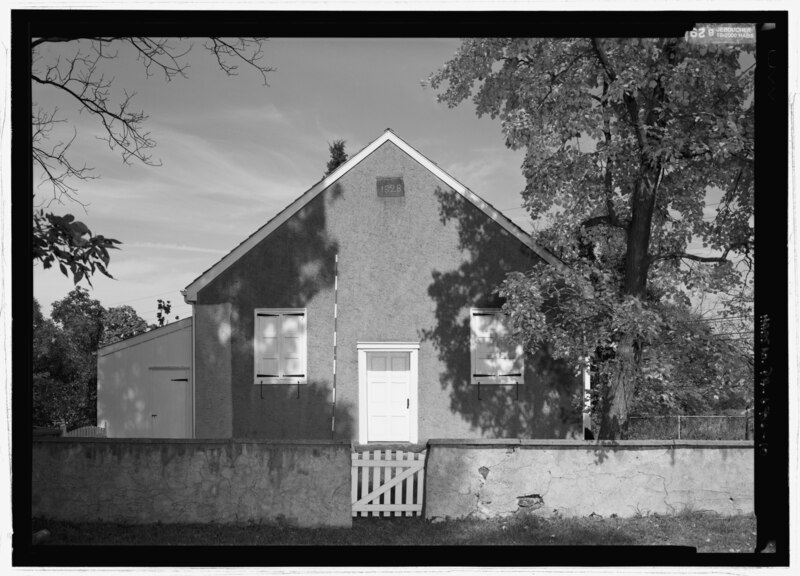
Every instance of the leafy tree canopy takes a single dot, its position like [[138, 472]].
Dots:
[[121, 322], [625, 141], [65, 347], [80, 317]]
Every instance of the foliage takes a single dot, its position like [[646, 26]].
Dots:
[[689, 369], [164, 308], [683, 367], [625, 141], [58, 394], [80, 70], [121, 322], [80, 317], [64, 379], [338, 156], [54, 364], [71, 244]]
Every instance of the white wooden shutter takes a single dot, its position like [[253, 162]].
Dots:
[[268, 345], [484, 345], [496, 358], [293, 344], [279, 341]]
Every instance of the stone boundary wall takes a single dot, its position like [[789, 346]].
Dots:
[[301, 483], [498, 478]]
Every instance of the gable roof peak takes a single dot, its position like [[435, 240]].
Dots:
[[190, 293]]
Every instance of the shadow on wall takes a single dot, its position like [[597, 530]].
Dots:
[[287, 271], [305, 412], [543, 407]]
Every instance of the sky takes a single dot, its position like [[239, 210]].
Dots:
[[234, 152]]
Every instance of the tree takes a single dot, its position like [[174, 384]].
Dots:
[[119, 323], [78, 73], [58, 394], [694, 371], [65, 355], [625, 141], [80, 319], [338, 156]]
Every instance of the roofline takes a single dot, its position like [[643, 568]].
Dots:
[[191, 291], [487, 208], [145, 336]]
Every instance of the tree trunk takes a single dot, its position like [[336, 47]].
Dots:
[[619, 395], [619, 392], [637, 256]]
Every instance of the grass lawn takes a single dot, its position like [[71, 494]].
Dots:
[[706, 532]]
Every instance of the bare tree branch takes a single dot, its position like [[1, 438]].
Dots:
[[744, 247], [225, 50], [682, 256], [79, 76], [158, 53], [53, 160]]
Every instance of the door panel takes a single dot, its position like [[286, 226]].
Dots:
[[388, 389], [171, 404]]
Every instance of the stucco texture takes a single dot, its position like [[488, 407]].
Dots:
[[126, 381], [145, 481], [580, 479], [409, 270]]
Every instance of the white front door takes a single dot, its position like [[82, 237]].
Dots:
[[388, 396]]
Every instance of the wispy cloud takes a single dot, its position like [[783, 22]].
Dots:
[[172, 246], [235, 153], [264, 114]]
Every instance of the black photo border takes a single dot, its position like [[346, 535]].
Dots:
[[771, 329]]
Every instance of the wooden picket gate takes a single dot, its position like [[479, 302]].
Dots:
[[388, 483]]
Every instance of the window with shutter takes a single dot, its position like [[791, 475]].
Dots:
[[496, 357], [279, 346]]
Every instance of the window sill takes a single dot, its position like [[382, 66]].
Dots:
[[498, 381]]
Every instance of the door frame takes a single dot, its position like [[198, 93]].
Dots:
[[413, 349]]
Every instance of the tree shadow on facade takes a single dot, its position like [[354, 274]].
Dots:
[[288, 269], [293, 268], [305, 412], [544, 405]]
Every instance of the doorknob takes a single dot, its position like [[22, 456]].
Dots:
[[408, 403]]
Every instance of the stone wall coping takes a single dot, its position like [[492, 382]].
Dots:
[[452, 442], [404, 446], [192, 441], [605, 444]]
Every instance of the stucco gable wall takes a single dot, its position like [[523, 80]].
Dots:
[[409, 269]]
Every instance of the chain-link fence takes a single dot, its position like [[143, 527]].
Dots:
[[689, 428]]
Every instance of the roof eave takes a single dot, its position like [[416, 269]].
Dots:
[[190, 292]]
